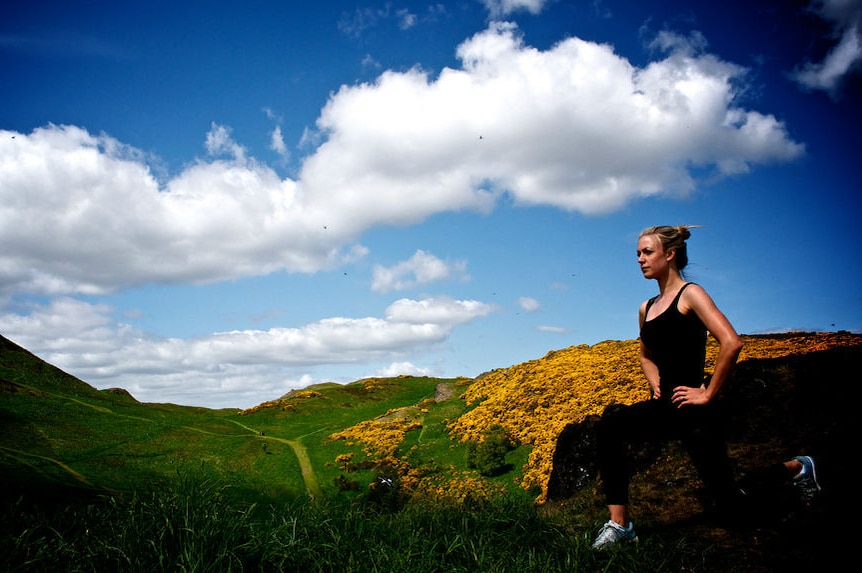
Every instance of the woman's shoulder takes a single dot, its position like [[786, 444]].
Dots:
[[693, 296], [642, 309], [693, 288]]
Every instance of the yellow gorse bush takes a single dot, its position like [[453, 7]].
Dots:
[[381, 437], [283, 403], [535, 400], [457, 486]]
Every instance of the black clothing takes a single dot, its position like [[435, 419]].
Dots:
[[700, 428], [677, 344]]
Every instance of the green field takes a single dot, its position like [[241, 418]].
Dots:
[[60, 433], [93, 480]]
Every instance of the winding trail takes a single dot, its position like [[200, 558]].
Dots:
[[22, 457], [301, 453], [309, 477]]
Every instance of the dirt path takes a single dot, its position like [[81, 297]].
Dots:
[[21, 457], [308, 475]]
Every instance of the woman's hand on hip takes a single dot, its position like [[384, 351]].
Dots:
[[688, 396]]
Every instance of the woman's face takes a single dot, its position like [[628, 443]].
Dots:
[[652, 259]]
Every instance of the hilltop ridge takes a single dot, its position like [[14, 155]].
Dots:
[[775, 394], [61, 439]]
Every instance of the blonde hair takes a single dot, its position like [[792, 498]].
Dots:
[[673, 239]]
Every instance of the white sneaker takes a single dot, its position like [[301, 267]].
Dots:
[[806, 480], [613, 533]]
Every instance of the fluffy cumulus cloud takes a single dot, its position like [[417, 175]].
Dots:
[[422, 268], [845, 57], [231, 368], [528, 304], [576, 127]]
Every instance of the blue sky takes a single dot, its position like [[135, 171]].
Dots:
[[212, 203]]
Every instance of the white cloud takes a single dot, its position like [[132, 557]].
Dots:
[[406, 19], [528, 304], [501, 8], [552, 329], [402, 368], [355, 23], [369, 63], [584, 130], [600, 9], [439, 310], [220, 142], [422, 268], [576, 127], [277, 142], [845, 16], [78, 215], [236, 368]]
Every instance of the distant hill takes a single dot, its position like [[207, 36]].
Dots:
[[522, 430], [791, 392], [22, 371]]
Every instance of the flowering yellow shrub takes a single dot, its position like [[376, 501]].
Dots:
[[535, 400], [304, 394], [457, 487], [284, 403], [372, 384], [381, 437]]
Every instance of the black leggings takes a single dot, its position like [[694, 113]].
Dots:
[[700, 428]]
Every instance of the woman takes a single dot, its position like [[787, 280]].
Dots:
[[673, 329]]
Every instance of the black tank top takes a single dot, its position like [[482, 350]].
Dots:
[[677, 344]]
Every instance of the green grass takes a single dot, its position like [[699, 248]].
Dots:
[[58, 432], [95, 481], [194, 525]]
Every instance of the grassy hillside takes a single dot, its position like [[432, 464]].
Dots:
[[432, 439], [58, 432]]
